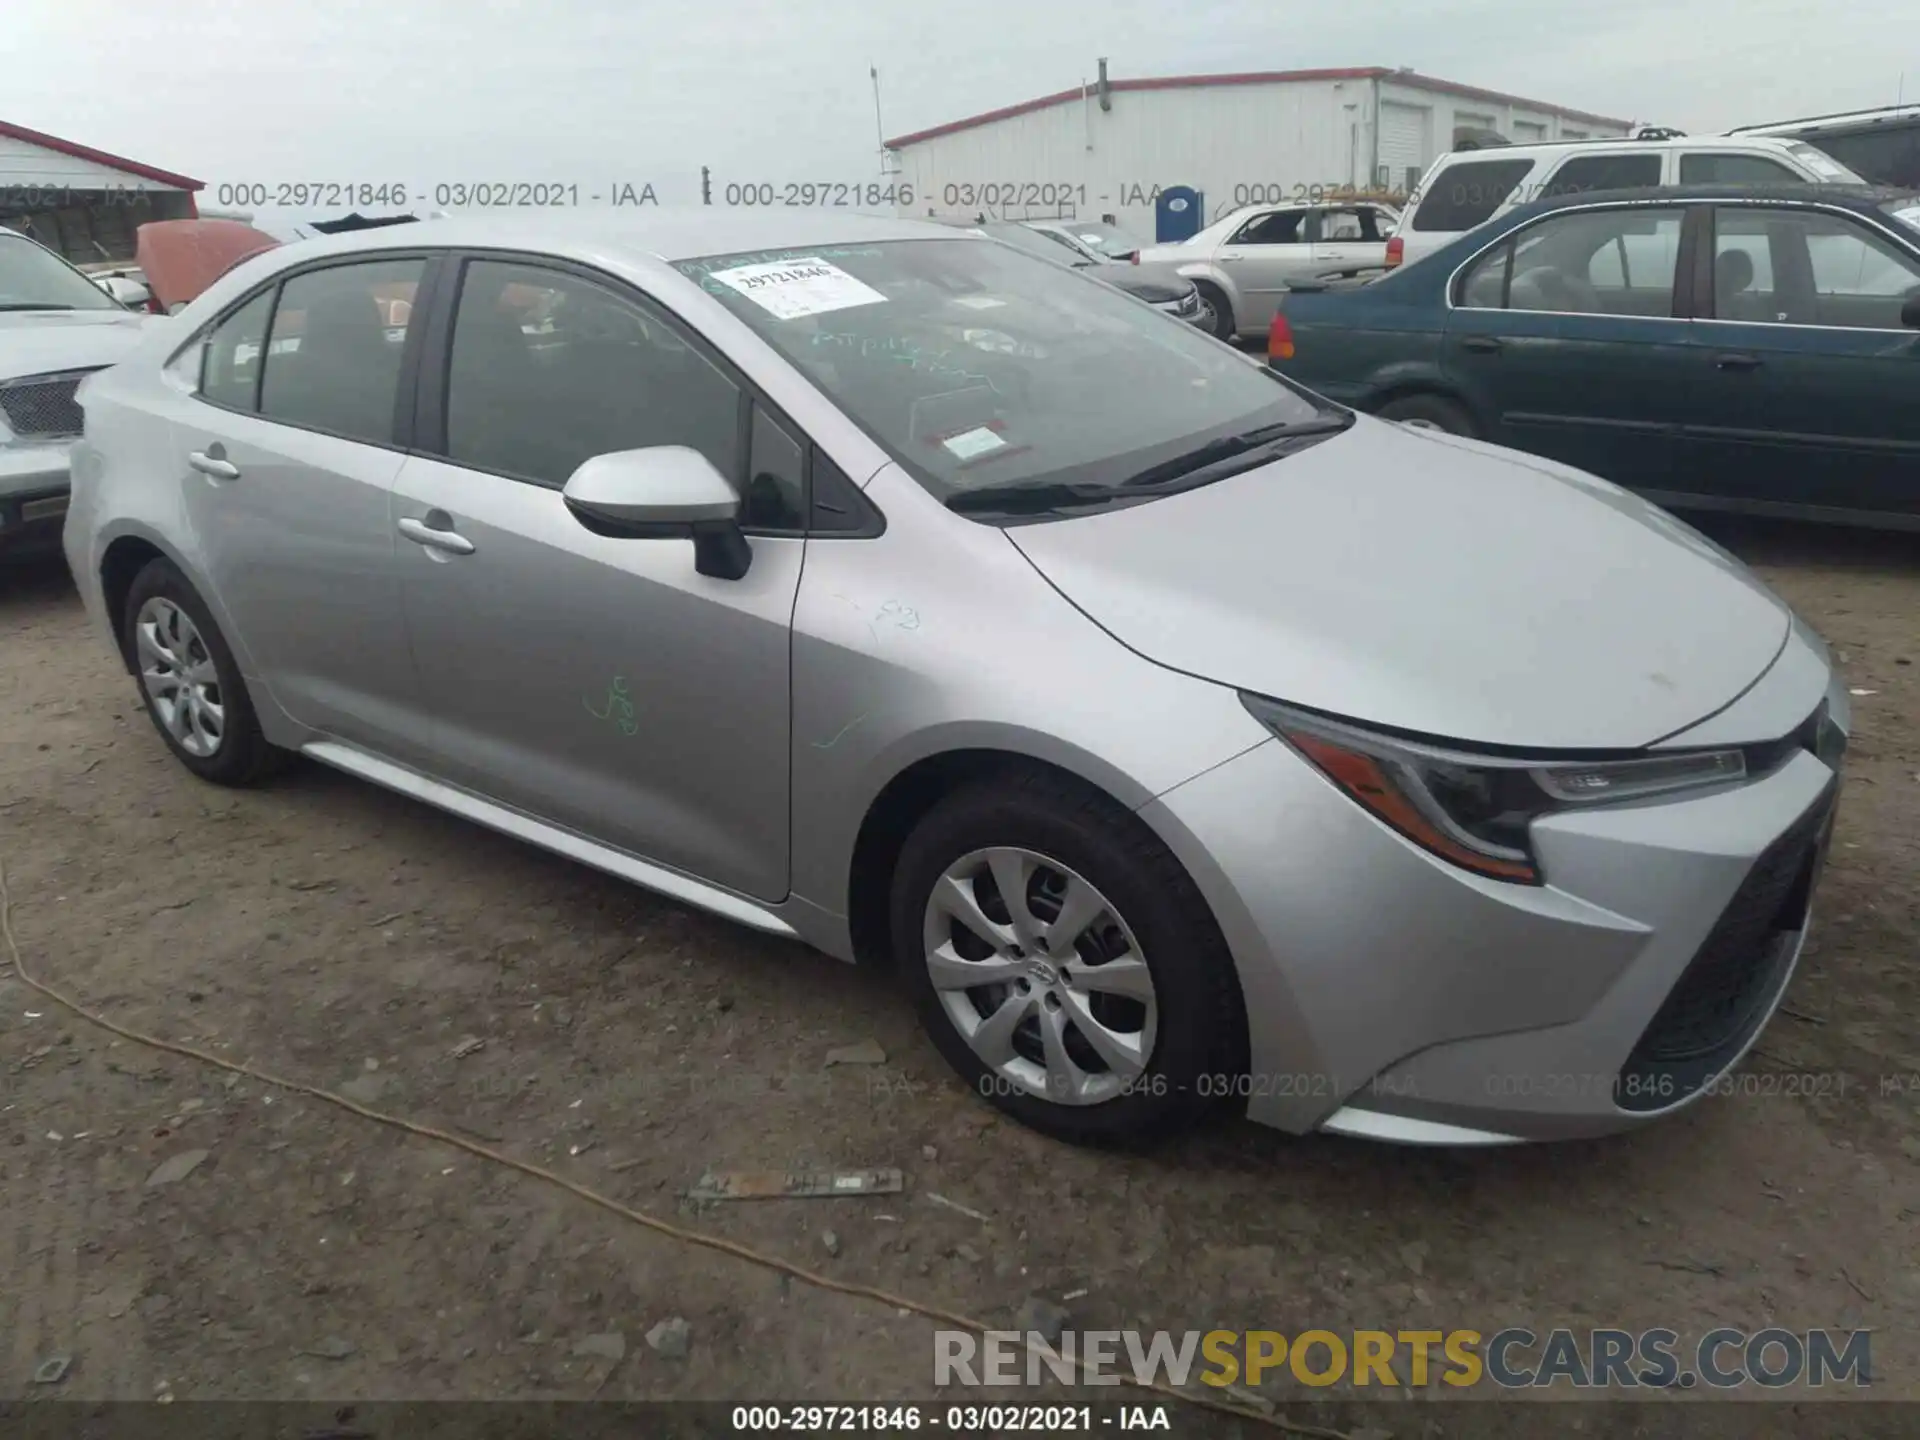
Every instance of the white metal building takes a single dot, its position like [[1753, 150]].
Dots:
[[1108, 147], [82, 202]]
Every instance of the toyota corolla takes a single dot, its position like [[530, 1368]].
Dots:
[[1182, 738]]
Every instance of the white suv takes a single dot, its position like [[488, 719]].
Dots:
[[1467, 188], [56, 328]]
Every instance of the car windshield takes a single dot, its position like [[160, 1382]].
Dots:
[[32, 277], [978, 366], [1108, 240], [1830, 170]]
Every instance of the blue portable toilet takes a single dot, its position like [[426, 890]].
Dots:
[[1178, 213]]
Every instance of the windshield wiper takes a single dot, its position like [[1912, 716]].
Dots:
[[1034, 499], [1219, 458], [30, 305]]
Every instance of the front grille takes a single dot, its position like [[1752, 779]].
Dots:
[[1719, 999], [43, 407]]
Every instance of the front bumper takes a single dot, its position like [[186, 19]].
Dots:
[[1392, 995], [35, 483]]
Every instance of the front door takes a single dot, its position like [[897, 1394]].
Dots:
[[287, 451], [597, 682], [1268, 251], [1805, 386], [1565, 343]]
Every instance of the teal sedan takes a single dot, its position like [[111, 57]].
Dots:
[[1710, 347]]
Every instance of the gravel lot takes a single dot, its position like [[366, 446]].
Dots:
[[336, 934]]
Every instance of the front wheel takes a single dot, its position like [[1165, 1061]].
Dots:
[[1223, 324], [1064, 963]]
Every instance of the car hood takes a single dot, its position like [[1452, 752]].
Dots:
[[41, 342], [1156, 284], [181, 258], [1426, 583]]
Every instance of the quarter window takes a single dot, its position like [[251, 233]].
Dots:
[[548, 370], [230, 358], [1464, 195], [333, 353]]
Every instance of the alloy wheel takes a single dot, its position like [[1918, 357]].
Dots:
[[1041, 976], [178, 674]]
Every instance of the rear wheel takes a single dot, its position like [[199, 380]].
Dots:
[[1428, 412], [190, 682], [1064, 963]]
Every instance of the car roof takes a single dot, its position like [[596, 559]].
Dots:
[[1852, 197], [1844, 119], [660, 233], [1764, 144]]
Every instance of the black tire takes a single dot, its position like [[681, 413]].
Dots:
[[1223, 321], [243, 755], [1430, 411], [1198, 1053]]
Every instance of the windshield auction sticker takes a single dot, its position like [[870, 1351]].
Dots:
[[791, 289]]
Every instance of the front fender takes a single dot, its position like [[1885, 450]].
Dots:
[[1212, 274]]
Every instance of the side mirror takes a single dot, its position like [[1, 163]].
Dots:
[[1910, 312], [663, 491]]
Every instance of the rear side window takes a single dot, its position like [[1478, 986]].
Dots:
[[333, 354], [1464, 195], [1604, 172], [1733, 170], [230, 362]]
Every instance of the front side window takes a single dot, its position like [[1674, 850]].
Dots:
[[548, 370], [1808, 267], [333, 352], [1604, 172], [978, 366], [1724, 169], [32, 277], [1598, 262], [1279, 227], [1465, 195]]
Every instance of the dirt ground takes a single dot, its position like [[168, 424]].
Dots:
[[340, 935]]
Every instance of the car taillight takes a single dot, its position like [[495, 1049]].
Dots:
[[1133, 258], [1396, 251], [1279, 339]]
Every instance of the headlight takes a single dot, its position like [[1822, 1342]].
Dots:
[[1476, 810]]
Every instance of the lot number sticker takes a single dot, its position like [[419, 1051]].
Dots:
[[790, 289]]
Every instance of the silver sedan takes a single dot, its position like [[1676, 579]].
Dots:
[[1182, 739]]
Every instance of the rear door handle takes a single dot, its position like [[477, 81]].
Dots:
[[1736, 362], [436, 537], [1483, 344], [217, 466]]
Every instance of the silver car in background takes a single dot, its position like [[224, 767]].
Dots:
[[1182, 739]]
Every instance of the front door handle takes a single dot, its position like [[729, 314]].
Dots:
[[1482, 344], [215, 464], [1736, 362], [436, 537]]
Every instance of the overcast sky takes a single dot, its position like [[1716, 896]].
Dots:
[[591, 91]]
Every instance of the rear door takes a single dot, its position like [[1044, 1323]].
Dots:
[[1346, 239], [1803, 385], [287, 450], [1270, 249], [1565, 342]]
